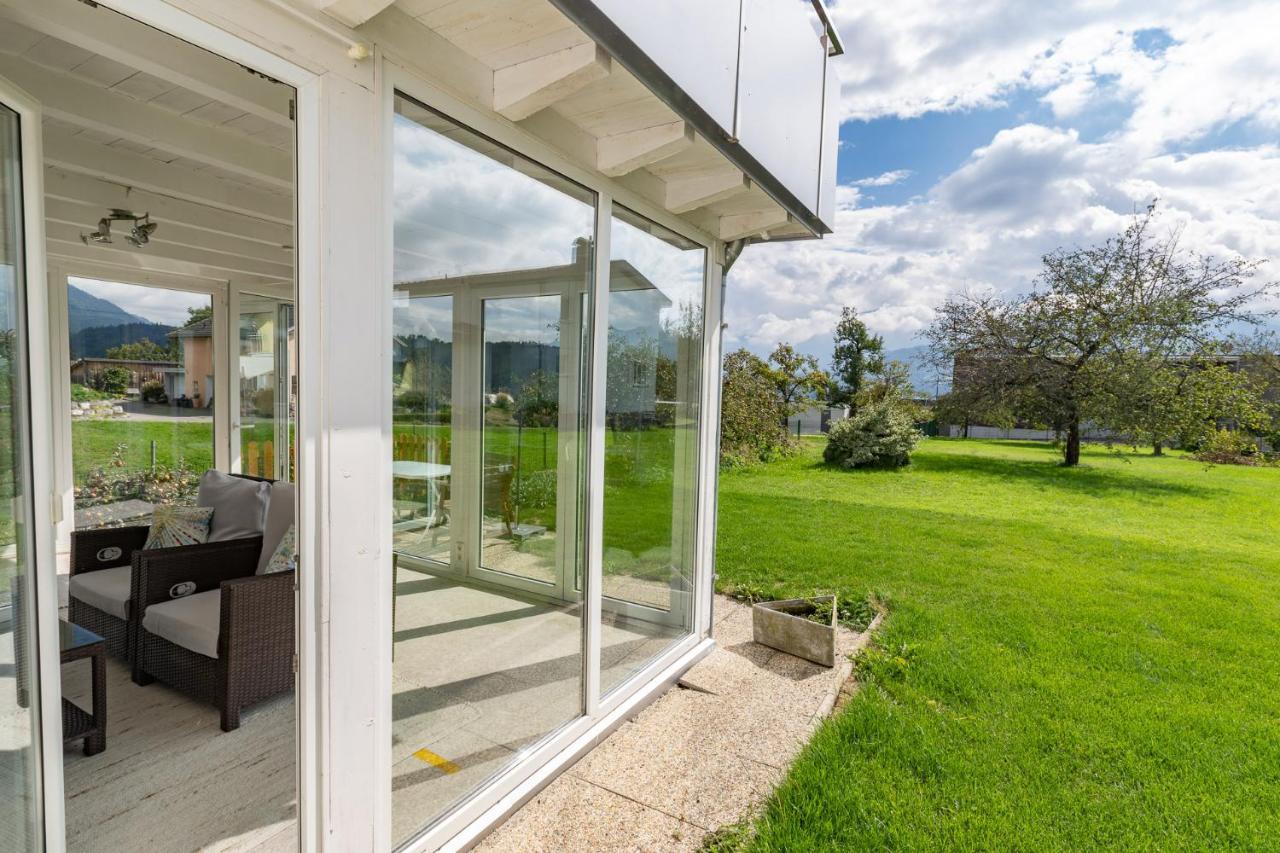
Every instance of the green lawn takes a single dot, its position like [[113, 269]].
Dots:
[[1073, 659]]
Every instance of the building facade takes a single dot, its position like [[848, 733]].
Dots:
[[491, 241]]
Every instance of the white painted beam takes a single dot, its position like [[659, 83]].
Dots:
[[625, 152], [353, 13], [86, 105], [116, 37], [164, 257], [522, 89], [754, 222], [686, 193], [82, 189], [85, 217], [138, 170]]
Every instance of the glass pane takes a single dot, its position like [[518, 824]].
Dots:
[[492, 262], [653, 383], [422, 452], [521, 426], [142, 398], [19, 795], [267, 407]]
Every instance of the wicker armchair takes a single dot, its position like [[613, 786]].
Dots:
[[99, 593], [228, 639]]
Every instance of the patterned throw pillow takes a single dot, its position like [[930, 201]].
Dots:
[[172, 526], [285, 556]]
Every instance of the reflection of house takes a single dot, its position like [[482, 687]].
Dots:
[[196, 341], [84, 371]]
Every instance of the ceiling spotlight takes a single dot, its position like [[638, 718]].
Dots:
[[102, 235], [139, 235], [143, 228]]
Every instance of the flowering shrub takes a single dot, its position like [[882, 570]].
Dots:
[[1229, 447], [880, 434], [112, 483]]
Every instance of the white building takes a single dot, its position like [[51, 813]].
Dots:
[[484, 587]]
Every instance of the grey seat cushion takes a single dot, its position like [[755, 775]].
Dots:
[[105, 589], [191, 622], [279, 517], [239, 505]]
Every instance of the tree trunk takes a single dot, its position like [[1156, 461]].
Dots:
[[1073, 442], [1157, 448]]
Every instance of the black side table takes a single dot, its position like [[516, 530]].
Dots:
[[76, 643]]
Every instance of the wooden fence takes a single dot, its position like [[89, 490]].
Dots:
[[258, 458]]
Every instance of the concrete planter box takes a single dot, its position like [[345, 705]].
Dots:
[[785, 626]]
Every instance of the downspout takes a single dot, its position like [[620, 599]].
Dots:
[[732, 251]]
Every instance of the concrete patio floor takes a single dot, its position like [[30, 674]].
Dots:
[[704, 755]]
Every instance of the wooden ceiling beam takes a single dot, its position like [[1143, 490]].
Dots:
[[87, 105], [523, 89], [142, 172], [116, 37], [754, 222], [621, 153], [165, 257], [83, 189], [689, 192]]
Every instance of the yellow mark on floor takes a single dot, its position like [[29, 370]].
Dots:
[[439, 762]]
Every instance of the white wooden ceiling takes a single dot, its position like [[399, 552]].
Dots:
[[139, 120], [534, 66]]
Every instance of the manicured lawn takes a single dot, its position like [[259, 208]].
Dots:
[[1073, 659]]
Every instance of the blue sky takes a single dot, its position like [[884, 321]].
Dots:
[[978, 137]]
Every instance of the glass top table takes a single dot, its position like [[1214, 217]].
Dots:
[[76, 643], [72, 638]]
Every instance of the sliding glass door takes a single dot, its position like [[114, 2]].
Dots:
[[20, 794], [492, 263]]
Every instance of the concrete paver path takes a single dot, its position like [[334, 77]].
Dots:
[[703, 755]]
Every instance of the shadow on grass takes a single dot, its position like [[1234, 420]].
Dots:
[[1048, 473], [1051, 474]]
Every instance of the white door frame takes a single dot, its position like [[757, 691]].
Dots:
[[43, 505], [321, 781]]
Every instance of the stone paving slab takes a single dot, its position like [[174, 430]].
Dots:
[[703, 755]]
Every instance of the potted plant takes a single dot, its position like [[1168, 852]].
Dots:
[[804, 627]]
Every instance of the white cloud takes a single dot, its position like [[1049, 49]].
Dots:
[[885, 179], [987, 224], [1032, 188], [906, 60]]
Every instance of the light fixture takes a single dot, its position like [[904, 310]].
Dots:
[[143, 228], [139, 235]]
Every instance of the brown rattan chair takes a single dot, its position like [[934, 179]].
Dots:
[[212, 628], [103, 564], [254, 643]]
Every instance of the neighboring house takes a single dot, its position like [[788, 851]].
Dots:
[[581, 174], [84, 371], [196, 341], [816, 419]]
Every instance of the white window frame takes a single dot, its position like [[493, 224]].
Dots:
[[468, 820]]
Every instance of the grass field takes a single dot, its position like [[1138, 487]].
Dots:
[[1073, 659]]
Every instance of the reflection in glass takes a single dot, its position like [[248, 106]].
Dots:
[[422, 394], [491, 254], [652, 413], [268, 357], [142, 398], [19, 794]]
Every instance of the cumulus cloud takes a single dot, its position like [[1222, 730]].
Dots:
[[1031, 187], [987, 225], [885, 179]]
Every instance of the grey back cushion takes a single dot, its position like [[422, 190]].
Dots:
[[279, 517], [239, 505]]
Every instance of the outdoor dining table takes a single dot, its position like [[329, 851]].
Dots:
[[408, 469]]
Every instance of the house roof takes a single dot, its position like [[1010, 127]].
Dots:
[[199, 329]]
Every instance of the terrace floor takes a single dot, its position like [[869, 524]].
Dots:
[[478, 675]]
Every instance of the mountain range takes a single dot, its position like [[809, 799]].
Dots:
[[96, 325]]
